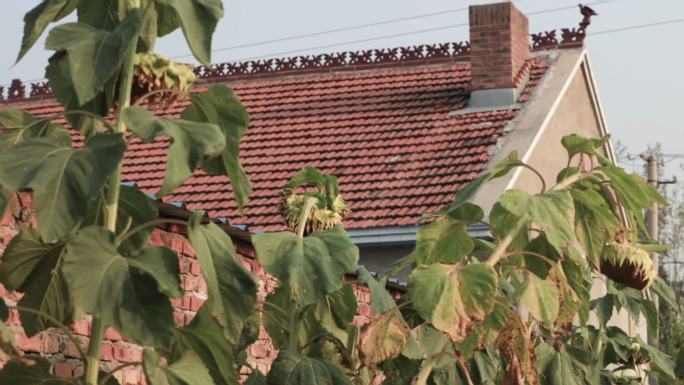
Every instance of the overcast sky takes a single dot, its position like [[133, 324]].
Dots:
[[640, 72]]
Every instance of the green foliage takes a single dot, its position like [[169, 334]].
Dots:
[[94, 55], [294, 260], [220, 106], [34, 268], [191, 142], [460, 321], [128, 293], [197, 18], [37, 19], [204, 337], [453, 298], [541, 298], [189, 370], [62, 178], [291, 368], [34, 372]]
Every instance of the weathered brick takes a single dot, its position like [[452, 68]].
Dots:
[[112, 335], [195, 268], [123, 353], [51, 343], [189, 282], [27, 344], [107, 352], [63, 370], [196, 303], [70, 350], [81, 327]]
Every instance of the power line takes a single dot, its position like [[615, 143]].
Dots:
[[358, 26], [383, 22], [640, 26], [355, 41]]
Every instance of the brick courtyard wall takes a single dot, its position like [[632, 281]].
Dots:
[[57, 348]]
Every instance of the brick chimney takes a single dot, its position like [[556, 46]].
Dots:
[[499, 47]]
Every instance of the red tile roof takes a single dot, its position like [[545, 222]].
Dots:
[[386, 133]]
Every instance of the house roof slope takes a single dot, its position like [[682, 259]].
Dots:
[[386, 132]]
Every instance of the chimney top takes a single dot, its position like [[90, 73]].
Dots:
[[499, 48]]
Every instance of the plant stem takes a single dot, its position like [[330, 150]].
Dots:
[[111, 206], [539, 175], [309, 205], [544, 258], [500, 250], [292, 330], [92, 361], [428, 365]]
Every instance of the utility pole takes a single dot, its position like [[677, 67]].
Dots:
[[652, 224]]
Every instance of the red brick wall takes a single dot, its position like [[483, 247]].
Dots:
[[57, 348], [499, 45]]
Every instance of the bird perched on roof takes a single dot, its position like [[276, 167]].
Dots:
[[587, 13]]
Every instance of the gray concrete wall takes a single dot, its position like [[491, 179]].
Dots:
[[575, 114], [379, 258]]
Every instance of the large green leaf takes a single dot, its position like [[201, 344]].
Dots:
[[59, 74], [205, 337], [553, 212], [290, 368], [22, 371], [453, 298], [191, 143], [197, 18], [503, 223], [576, 144], [225, 276], [595, 223], [659, 359], [138, 208], [332, 314], [384, 337], [220, 106], [34, 268], [632, 191], [125, 292], [541, 298], [279, 306], [37, 19], [63, 179], [189, 370], [312, 266], [20, 125], [443, 241], [102, 14], [95, 55], [381, 299], [665, 292], [560, 371]]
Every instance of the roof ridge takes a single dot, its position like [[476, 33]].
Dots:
[[413, 55]]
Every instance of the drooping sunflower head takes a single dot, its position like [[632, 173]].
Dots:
[[312, 201], [154, 72], [628, 264]]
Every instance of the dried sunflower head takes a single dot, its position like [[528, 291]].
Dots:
[[628, 264], [317, 210], [154, 72]]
